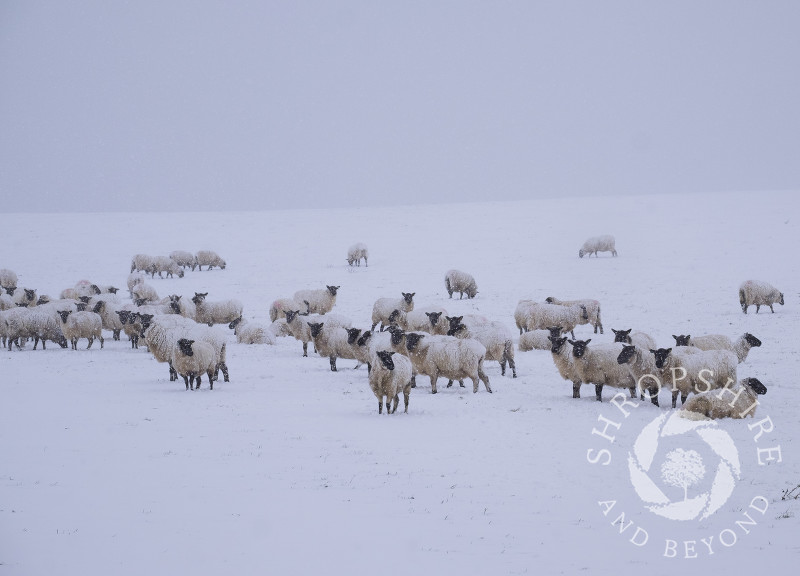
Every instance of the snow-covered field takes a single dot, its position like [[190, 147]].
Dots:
[[106, 467]]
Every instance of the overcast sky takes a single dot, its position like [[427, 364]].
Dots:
[[159, 104]]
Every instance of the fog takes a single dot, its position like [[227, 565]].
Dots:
[[186, 105]]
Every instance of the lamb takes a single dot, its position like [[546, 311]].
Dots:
[[356, 252], [76, 325], [298, 325], [590, 311], [461, 282], [141, 263], [432, 320], [687, 368], [565, 363], [740, 401], [642, 367], [384, 307], [252, 332], [388, 377], [597, 244], [8, 278], [333, 342], [453, 358], [207, 258], [281, 305], [166, 264], [318, 301], [598, 365], [222, 312], [192, 360], [494, 336], [145, 293], [755, 292], [640, 339], [741, 347], [543, 316], [182, 258]]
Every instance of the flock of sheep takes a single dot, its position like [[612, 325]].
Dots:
[[409, 341]]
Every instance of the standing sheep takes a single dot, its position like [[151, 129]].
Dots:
[[531, 315], [590, 311], [356, 252], [318, 301], [598, 365], [192, 360], [166, 264], [687, 369], [78, 325], [642, 366], [741, 347], [384, 307], [334, 342], [182, 258], [494, 336], [461, 282], [281, 305], [758, 294], [141, 263], [432, 320], [738, 401], [207, 258], [449, 357], [640, 339], [8, 278], [222, 312], [597, 244], [298, 325], [565, 362], [390, 375]]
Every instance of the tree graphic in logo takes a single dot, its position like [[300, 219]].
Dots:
[[683, 468]]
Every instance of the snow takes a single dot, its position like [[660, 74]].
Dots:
[[107, 467]]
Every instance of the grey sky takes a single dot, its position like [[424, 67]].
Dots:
[[149, 105]]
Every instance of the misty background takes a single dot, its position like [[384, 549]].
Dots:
[[195, 105]]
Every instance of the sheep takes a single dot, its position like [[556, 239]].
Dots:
[[252, 332], [42, 325], [141, 263], [597, 244], [8, 278], [369, 343], [76, 325], [298, 324], [640, 339], [133, 279], [542, 316], [741, 347], [384, 307], [693, 365], [192, 359], [494, 336], [446, 356], [6, 302], [535, 340], [758, 293], [182, 258], [430, 319], [144, 292], [207, 258], [166, 264], [461, 282], [356, 252], [11, 328], [598, 365], [333, 342], [590, 311], [279, 307], [221, 312], [565, 362], [280, 328], [22, 296], [107, 310], [388, 377], [642, 367], [318, 301], [717, 404]]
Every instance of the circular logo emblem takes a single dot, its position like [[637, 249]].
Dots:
[[682, 468]]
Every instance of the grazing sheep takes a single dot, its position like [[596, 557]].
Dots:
[[494, 336], [192, 360], [642, 367], [182, 258], [598, 365], [590, 311], [687, 368], [42, 325], [737, 401], [452, 358], [755, 292], [542, 316], [165, 264], [298, 324], [141, 263], [640, 339], [535, 340], [741, 347], [461, 282], [430, 319], [384, 307], [281, 305], [222, 312], [207, 258], [388, 377], [144, 292], [318, 301], [356, 252], [565, 362], [252, 332], [597, 244], [333, 342], [76, 325], [8, 279]]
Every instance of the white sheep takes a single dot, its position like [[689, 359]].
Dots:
[[141, 263], [597, 244], [134, 278], [737, 401], [76, 325], [642, 366], [494, 336], [741, 347], [298, 324], [144, 293], [452, 358], [598, 365], [640, 339], [461, 282], [531, 315], [6, 302], [107, 310], [182, 258], [22, 296], [535, 340], [384, 307], [590, 311], [389, 375], [758, 293], [689, 370], [165, 264], [191, 360], [356, 252], [370, 343], [279, 307], [221, 312], [183, 306], [8, 278], [318, 301], [561, 351], [207, 258], [42, 325], [431, 319], [11, 328], [247, 332], [333, 342]]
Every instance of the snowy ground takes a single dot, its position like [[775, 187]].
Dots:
[[107, 467]]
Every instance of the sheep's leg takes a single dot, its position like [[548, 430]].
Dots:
[[395, 402], [674, 398], [461, 383], [770, 309], [305, 349], [115, 334], [482, 375], [186, 381], [413, 380], [633, 393], [513, 367], [224, 367], [503, 366], [758, 306], [598, 392], [406, 394], [333, 363], [36, 341], [683, 398], [74, 344], [449, 383], [91, 341], [434, 377], [380, 405], [576, 389], [101, 341], [654, 399], [211, 379]]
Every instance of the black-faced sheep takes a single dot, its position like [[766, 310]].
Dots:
[[298, 325], [598, 365], [280, 306], [252, 332], [686, 369], [531, 315], [758, 294], [590, 311], [494, 336], [640, 339], [741, 347], [737, 401], [445, 356], [8, 278], [221, 312], [319, 301], [334, 342], [384, 307], [182, 258], [76, 325], [390, 375], [642, 366], [565, 362], [191, 360]]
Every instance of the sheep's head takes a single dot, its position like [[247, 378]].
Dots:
[[622, 335], [123, 315], [555, 331], [84, 299], [81, 306], [581, 253], [186, 346], [752, 340], [454, 320], [472, 291], [755, 384], [175, 304], [661, 356], [557, 343], [30, 295], [95, 289], [199, 297], [397, 335], [291, 315], [316, 328], [364, 338], [626, 354], [179, 271], [64, 315], [61, 341], [412, 340], [331, 289], [222, 264], [42, 300], [579, 347], [549, 300], [433, 317], [682, 340], [235, 323], [585, 314], [386, 359], [98, 307], [145, 320], [352, 335], [112, 290], [10, 290], [140, 301], [408, 297], [393, 316], [456, 329]]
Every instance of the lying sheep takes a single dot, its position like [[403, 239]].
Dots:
[[642, 367], [279, 307], [494, 336], [141, 263], [252, 332], [432, 320], [590, 311], [640, 339], [165, 264], [452, 358], [182, 258], [356, 252], [741, 347], [221, 312], [543, 316], [737, 401], [298, 324], [333, 342], [8, 278], [318, 301], [598, 244], [192, 360], [565, 362], [755, 292], [461, 282], [598, 365], [207, 258], [77, 325], [384, 307], [389, 375], [692, 371]]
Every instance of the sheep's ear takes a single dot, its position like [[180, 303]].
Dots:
[[617, 331], [589, 340], [652, 351], [571, 342]]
